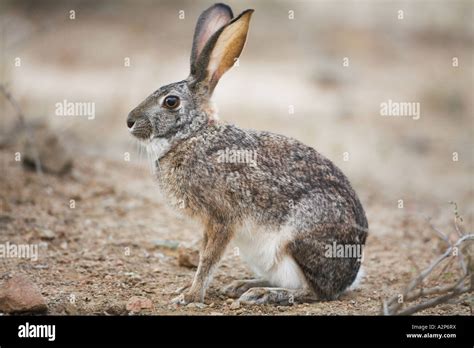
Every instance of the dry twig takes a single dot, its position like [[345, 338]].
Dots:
[[446, 294], [24, 125]]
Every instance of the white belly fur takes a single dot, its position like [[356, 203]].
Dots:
[[263, 250]]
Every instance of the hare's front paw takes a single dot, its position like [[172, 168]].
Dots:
[[187, 297]]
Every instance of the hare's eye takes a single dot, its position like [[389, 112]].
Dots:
[[171, 102]]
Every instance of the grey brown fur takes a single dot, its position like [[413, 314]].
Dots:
[[291, 187]]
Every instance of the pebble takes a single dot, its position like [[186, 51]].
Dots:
[[137, 303], [235, 305], [71, 309], [115, 309], [46, 234], [41, 266], [48, 148], [167, 244], [19, 295]]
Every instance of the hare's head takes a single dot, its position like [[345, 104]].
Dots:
[[176, 111]]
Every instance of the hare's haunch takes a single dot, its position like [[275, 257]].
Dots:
[[291, 212]]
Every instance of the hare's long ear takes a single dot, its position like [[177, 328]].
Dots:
[[221, 50], [209, 22]]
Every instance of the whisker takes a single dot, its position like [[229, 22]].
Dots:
[[137, 149], [140, 151]]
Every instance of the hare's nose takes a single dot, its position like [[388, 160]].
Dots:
[[133, 116], [130, 123]]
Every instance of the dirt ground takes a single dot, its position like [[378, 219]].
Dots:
[[119, 240], [110, 247]]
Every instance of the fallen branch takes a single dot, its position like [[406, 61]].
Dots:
[[433, 302], [447, 293], [14, 103], [24, 125]]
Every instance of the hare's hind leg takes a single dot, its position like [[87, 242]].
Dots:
[[286, 285], [238, 287], [326, 273], [278, 296]]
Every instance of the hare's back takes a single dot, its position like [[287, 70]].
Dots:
[[269, 172]]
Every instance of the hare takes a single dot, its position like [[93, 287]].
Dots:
[[284, 205]]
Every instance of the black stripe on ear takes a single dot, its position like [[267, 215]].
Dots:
[[202, 71], [209, 22]]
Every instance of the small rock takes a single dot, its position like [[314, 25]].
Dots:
[[188, 257], [196, 305], [167, 244], [46, 233], [71, 309], [137, 303], [159, 255], [43, 145], [19, 295], [235, 305], [216, 313], [115, 309], [229, 301], [133, 275]]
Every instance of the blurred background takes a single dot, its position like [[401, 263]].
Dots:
[[287, 65], [315, 70]]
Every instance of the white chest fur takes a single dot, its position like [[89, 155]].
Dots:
[[157, 148], [265, 252]]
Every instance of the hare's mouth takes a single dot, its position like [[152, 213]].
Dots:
[[142, 129]]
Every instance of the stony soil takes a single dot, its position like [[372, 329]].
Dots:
[[119, 242]]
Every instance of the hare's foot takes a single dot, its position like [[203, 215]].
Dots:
[[238, 287], [188, 297], [279, 296]]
